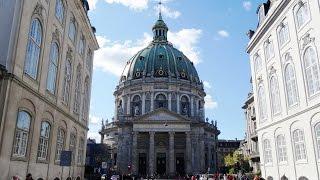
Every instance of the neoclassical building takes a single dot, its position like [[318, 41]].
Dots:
[[159, 125], [250, 145], [284, 57], [46, 52]]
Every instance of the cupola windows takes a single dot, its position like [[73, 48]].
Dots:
[[185, 106], [161, 101], [136, 106]]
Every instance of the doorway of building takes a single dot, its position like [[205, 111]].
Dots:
[[180, 169], [161, 164], [142, 164]]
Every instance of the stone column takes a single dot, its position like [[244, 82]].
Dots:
[[143, 103], [152, 101], [134, 163], [128, 105], [192, 108], [201, 153], [171, 154], [178, 104], [151, 153], [188, 153], [209, 157], [169, 101]]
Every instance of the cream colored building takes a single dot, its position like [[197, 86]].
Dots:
[[284, 56], [46, 51]]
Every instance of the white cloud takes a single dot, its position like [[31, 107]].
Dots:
[[94, 119], [92, 4], [168, 12], [223, 33], [247, 5], [186, 40], [209, 102], [136, 5], [113, 55], [207, 84]]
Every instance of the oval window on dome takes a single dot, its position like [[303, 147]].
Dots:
[[161, 72], [183, 74], [161, 56], [138, 74], [179, 58], [141, 58]]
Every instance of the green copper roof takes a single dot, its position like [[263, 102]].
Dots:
[[160, 59]]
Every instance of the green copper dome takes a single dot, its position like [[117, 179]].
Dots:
[[160, 59]]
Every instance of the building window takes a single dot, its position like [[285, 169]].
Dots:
[[185, 106], [282, 150], [291, 85], [72, 30], [267, 151], [77, 94], [44, 141], [257, 63], [59, 10], [299, 146], [85, 105], [161, 101], [317, 132], [53, 68], [303, 178], [262, 104], [311, 71], [33, 49], [89, 59], [275, 96], [302, 14], [81, 45], [22, 134], [136, 105], [269, 51], [81, 152], [283, 34], [67, 81], [72, 146], [60, 143]]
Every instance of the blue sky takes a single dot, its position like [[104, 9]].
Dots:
[[212, 33]]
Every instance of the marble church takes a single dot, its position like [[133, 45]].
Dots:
[[159, 127]]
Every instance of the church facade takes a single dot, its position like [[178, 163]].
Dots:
[[159, 125]]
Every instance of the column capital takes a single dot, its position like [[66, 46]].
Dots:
[[151, 133], [171, 133]]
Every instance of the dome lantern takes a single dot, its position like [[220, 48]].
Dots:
[[160, 29]]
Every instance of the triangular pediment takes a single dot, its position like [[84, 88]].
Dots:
[[163, 114]]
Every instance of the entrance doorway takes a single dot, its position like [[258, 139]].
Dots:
[[180, 164], [142, 164], [161, 164]]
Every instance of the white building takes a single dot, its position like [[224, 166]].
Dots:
[[286, 82]]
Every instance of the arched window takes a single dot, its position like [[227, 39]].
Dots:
[[81, 45], [85, 105], [81, 152], [317, 133], [161, 101], [262, 104], [283, 33], [59, 10], [269, 178], [77, 94], [269, 49], [22, 134], [33, 49], [44, 141], [185, 106], [284, 178], [72, 30], [275, 96], [72, 146], [291, 85], [299, 146], [60, 143], [53, 68], [267, 151], [136, 105], [302, 14], [89, 59], [282, 149], [67, 81], [258, 63], [311, 71]]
